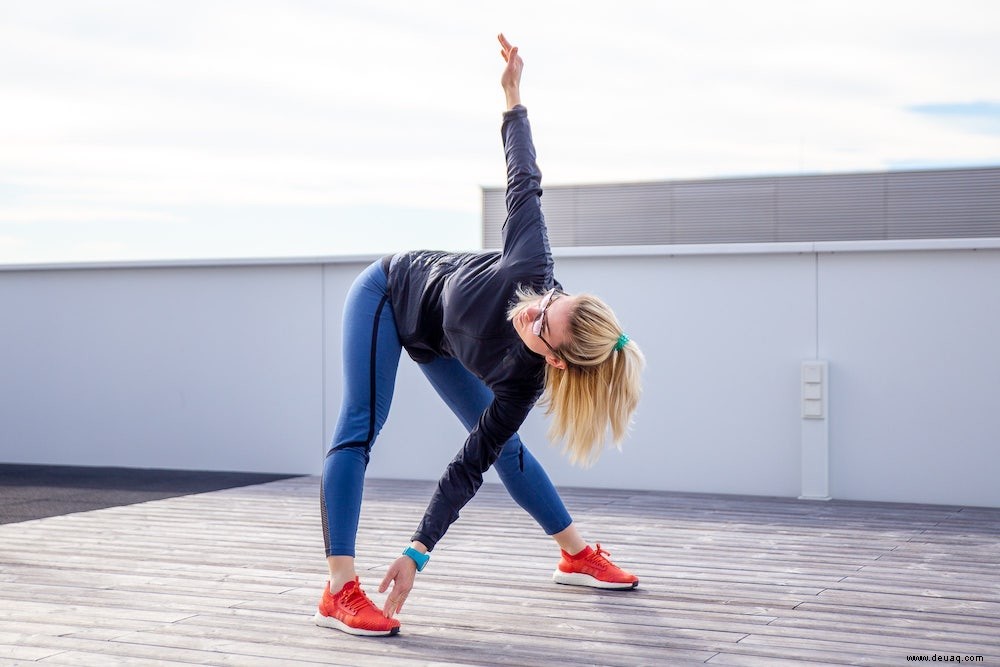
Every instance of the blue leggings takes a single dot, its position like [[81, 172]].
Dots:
[[371, 356]]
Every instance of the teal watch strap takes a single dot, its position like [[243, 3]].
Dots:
[[418, 558]]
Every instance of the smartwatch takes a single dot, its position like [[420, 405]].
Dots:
[[418, 558]]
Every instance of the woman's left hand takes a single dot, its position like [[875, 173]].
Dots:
[[510, 80], [401, 574]]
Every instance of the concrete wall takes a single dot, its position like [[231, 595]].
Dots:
[[236, 366]]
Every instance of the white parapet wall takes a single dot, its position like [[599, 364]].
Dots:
[[235, 365]]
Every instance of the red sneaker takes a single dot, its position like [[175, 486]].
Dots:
[[591, 568], [350, 610]]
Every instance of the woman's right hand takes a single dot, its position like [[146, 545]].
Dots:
[[510, 80], [401, 574]]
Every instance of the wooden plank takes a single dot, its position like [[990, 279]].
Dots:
[[745, 660], [877, 599], [13, 650], [852, 653], [836, 612], [104, 659]]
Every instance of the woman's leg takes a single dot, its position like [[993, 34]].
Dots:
[[371, 352], [528, 484], [522, 475]]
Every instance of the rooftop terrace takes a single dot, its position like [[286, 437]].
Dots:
[[231, 577]]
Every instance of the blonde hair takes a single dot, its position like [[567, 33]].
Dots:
[[599, 390]]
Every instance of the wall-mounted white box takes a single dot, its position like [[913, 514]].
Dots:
[[813, 390]]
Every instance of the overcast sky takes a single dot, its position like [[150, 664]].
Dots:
[[207, 128]]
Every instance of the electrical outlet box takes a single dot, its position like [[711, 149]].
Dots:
[[814, 391]]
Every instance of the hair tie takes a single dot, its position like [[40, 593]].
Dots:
[[621, 342]]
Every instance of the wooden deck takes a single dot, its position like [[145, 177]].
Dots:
[[231, 578]]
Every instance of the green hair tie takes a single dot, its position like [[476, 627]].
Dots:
[[621, 342]]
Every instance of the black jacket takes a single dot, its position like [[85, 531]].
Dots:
[[455, 305]]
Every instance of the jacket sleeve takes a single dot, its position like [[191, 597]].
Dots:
[[525, 239], [464, 475]]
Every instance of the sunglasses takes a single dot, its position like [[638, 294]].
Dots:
[[539, 324]]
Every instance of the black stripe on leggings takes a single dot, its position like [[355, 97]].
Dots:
[[372, 381]]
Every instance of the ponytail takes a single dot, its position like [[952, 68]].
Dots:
[[599, 390]]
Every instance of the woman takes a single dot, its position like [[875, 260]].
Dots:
[[490, 331]]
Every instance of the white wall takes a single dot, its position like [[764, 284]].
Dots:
[[236, 366], [185, 367], [914, 344]]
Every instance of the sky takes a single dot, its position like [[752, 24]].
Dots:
[[134, 130]]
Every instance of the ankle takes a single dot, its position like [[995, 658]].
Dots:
[[341, 572], [337, 585], [580, 553]]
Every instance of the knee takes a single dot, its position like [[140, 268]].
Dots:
[[349, 451], [511, 457]]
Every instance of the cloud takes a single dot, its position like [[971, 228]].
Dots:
[[78, 213], [979, 117], [156, 112]]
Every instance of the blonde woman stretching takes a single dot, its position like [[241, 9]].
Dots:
[[493, 332]]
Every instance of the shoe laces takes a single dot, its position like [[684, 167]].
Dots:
[[598, 556], [356, 600]]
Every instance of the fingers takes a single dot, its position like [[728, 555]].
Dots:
[[389, 576], [511, 56], [393, 604], [390, 602], [507, 51]]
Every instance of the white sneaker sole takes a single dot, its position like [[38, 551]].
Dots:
[[330, 622], [580, 579]]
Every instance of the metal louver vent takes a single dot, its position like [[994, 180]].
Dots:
[[951, 203]]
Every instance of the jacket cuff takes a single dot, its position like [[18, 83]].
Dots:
[[425, 540]]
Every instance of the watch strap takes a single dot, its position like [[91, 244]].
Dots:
[[417, 557]]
